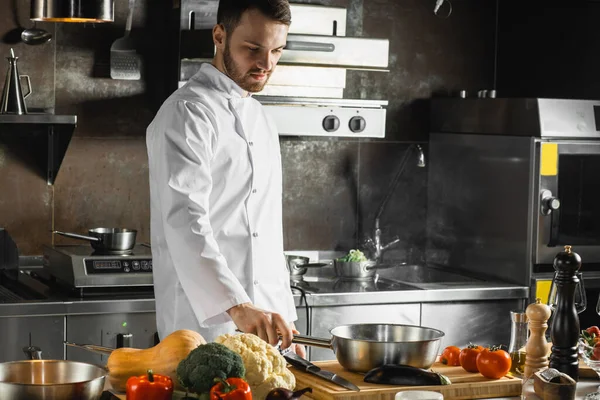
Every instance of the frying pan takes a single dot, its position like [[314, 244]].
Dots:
[[362, 347], [39, 379], [107, 240]]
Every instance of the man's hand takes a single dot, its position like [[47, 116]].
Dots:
[[266, 325]]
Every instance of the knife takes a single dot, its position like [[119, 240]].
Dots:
[[306, 366]]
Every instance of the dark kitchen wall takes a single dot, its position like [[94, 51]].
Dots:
[[332, 187], [549, 49]]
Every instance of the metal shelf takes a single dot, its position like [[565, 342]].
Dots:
[[40, 141], [38, 119]]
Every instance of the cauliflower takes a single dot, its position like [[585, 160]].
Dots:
[[266, 369]]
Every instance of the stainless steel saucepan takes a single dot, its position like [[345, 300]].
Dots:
[[298, 265], [50, 379], [357, 270], [107, 240], [362, 347]]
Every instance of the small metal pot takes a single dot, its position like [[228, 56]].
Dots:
[[298, 265], [107, 240], [362, 270], [362, 347], [51, 379]]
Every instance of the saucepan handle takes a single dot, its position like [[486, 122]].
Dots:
[[384, 266], [33, 352], [313, 265], [77, 236], [312, 341]]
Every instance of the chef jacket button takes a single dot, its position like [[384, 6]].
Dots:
[[256, 281], [254, 190], [250, 143], [255, 234]]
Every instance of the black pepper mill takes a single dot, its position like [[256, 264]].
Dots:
[[565, 323]]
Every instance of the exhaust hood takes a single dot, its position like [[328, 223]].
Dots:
[[39, 141], [305, 94]]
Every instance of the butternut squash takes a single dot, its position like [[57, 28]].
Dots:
[[162, 359]]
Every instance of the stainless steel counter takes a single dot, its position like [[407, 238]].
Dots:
[[319, 291], [414, 295], [400, 284]]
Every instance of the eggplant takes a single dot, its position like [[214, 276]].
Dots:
[[286, 394], [405, 375]]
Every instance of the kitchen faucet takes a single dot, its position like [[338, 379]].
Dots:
[[374, 244]]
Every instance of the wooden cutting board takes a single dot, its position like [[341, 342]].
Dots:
[[465, 385], [586, 372]]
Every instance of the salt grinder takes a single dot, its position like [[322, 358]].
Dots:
[[565, 323], [537, 347]]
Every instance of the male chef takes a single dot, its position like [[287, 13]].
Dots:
[[216, 188]]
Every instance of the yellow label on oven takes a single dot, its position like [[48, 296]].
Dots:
[[549, 159], [542, 290]]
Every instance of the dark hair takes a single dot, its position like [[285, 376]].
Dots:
[[230, 11]]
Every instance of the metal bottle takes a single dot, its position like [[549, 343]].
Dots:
[[13, 100], [565, 323]]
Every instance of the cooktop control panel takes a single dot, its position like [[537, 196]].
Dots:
[[118, 266]]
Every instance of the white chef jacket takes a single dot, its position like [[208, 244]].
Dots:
[[216, 207]]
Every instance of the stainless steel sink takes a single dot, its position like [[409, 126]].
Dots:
[[417, 274], [335, 285]]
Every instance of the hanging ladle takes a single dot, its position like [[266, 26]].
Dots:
[[34, 36]]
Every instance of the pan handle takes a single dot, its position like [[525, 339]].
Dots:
[[91, 347], [33, 352], [307, 340], [385, 266], [312, 341], [77, 236], [312, 265]]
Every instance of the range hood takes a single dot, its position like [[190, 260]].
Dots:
[[39, 141], [305, 94]]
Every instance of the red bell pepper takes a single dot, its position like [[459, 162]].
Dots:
[[149, 387], [231, 389]]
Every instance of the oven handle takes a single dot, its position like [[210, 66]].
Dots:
[[310, 46], [554, 226]]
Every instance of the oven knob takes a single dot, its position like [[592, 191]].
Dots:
[[549, 202], [358, 124], [331, 123]]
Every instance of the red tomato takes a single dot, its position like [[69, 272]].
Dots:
[[468, 357], [594, 331], [450, 356], [493, 363], [596, 352]]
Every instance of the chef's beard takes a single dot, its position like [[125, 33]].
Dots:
[[242, 79]]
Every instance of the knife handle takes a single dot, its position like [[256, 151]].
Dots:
[[299, 362]]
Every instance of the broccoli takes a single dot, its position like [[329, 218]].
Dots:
[[353, 256], [207, 362]]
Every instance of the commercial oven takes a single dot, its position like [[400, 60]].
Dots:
[[512, 181]]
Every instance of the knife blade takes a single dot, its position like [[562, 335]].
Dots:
[[306, 366]]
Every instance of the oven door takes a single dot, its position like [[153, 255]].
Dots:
[[568, 199]]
